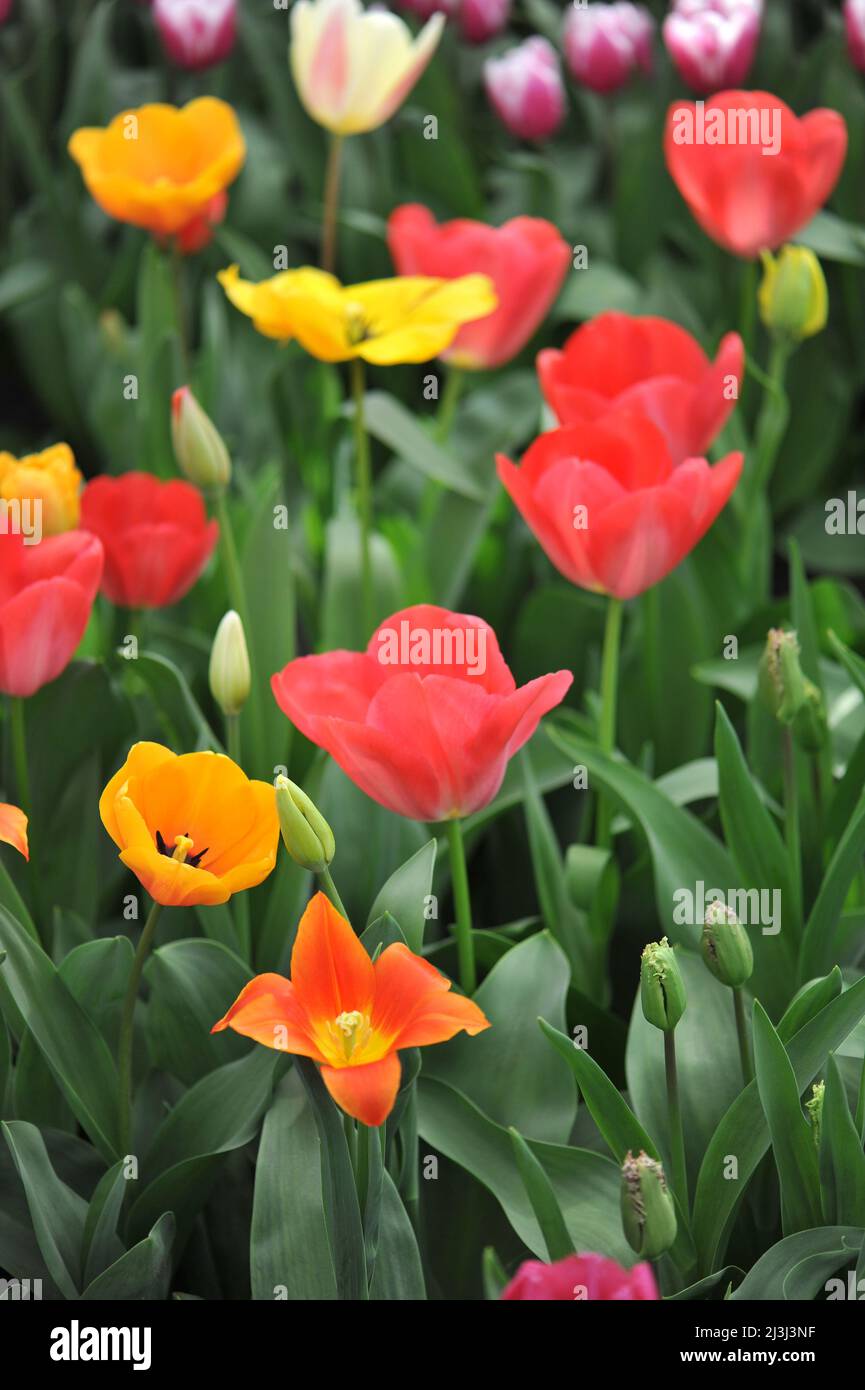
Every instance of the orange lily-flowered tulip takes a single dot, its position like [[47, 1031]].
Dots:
[[194, 828], [350, 1015], [163, 167], [13, 828]]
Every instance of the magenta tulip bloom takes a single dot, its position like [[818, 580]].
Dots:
[[712, 42], [605, 44], [580, 1279], [525, 89]]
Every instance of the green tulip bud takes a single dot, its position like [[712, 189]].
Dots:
[[793, 299], [780, 682], [725, 945], [810, 725], [662, 990], [648, 1212], [305, 832], [814, 1107], [229, 672], [198, 447]]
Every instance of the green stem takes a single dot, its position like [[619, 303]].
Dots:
[[177, 286], [772, 421], [860, 1105], [747, 315], [792, 833], [609, 696], [127, 1026], [674, 1112], [19, 753], [237, 597], [364, 494], [462, 906], [332, 892], [241, 900], [742, 1035], [454, 384], [331, 203]]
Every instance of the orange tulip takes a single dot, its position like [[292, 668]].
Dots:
[[350, 1015], [163, 167], [194, 828], [13, 828]]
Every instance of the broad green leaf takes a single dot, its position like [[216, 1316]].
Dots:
[[186, 726], [192, 984], [842, 1160], [143, 1273], [544, 1203], [406, 894], [341, 1208], [269, 579], [397, 428], [792, 1140], [398, 1271], [822, 925], [100, 1245], [57, 1212], [800, 1266], [610, 1111]]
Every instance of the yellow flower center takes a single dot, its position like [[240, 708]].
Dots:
[[182, 845], [357, 327], [350, 1028]]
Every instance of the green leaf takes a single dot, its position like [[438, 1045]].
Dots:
[[405, 895], [167, 686], [394, 426], [192, 984], [58, 1213], [833, 239], [143, 1273], [842, 1161], [610, 1111], [822, 925], [791, 1135], [799, 1266], [269, 579], [539, 1191], [398, 1270], [341, 1209], [101, 1245]]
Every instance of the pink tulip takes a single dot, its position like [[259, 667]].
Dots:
[[196, 33], [712, 42], [854, 23], [581, 1278], [482, 19], [525, 89], [5, 7], [604, 44]]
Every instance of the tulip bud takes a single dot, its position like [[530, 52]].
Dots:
[[480, 20], [229, 665], [648, 1212], [604, 44], [854, 25], [811, 725], [814, 1107], [793, 298], [5, 8], [305, 832], [201, 455], [726, 948], [780, 682], [196, 34], [525, 89], [712, 42], [662, 990]]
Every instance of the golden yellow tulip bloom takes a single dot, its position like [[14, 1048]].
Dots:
[[49, 478]]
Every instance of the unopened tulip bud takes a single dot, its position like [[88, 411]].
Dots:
[[814, 1107], [604, 43], [662, 990], [196, 34], [780, 682], [811, 725], [525, 89], [229, 665], [305, 832], [725, 945], [648, 1212], [198, 447], [854, 25], [793, 298], [712, 42]]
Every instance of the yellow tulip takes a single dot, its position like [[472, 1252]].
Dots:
[[793, 298], [353, 67], [410, 318], [49, 478]]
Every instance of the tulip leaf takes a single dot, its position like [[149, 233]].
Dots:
[[398, 1270], [842, 1160], [397, 428], [168, 688], [289, 1252], [77, 1055], [58, 1213], [545, 1206], [406, 895], [792, 1138], [142, 1273], [268, 573], [610, 1111], [100, 1245], [807, 1003], [822, 925], [799, 1266], [192, 984]]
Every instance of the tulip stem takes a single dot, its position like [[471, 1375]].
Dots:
[[177, 286], [19, 753], [332, 891], [237, 597], [609, 695], [747, 314], [453, 389], [127, 1026], [331, 203], [772, 420], [462, 905], [241, 909], [792, 834], [364, 494], [674, 1112], [742, 1035]]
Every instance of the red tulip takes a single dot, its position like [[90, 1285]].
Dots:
[[647, 366], [526, 259], [608, 506], [156, 536], [46, 593], [582, 1278], [753, 173], [425, 720]]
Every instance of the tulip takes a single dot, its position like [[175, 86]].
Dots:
[[350, 1015], [609, 508], [605, 44], [712, 42], [525, 89], [405, 319], [13, 828], [480, 20], [854, 27], [662, 989], [161, 167], [49, 483], [814, 1109], [156, 536], [193, 829], [46, 594], [648, 1214], [196, 34], [353, 68], [726, 949], [229, 674], [426, 719], [788, 694], [305, 832], [5, 10], [646, 366], [198, 446], [587, 1278], [751, 171], [526, 260], [793, 298]]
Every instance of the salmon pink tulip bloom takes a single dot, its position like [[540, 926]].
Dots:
[[46, 593], [425, 720], [156, 537], [350, 1015], [13, 828], [609, 508], [581, 1278], [526, 259], [752, 172], [646, 366]]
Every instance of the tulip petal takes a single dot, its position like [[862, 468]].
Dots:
[[414, 1004], [13, 828], [267, 1009], [330, 969], [366, 1092]]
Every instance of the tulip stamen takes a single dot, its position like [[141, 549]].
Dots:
[[182, 845], [353, 1027]]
